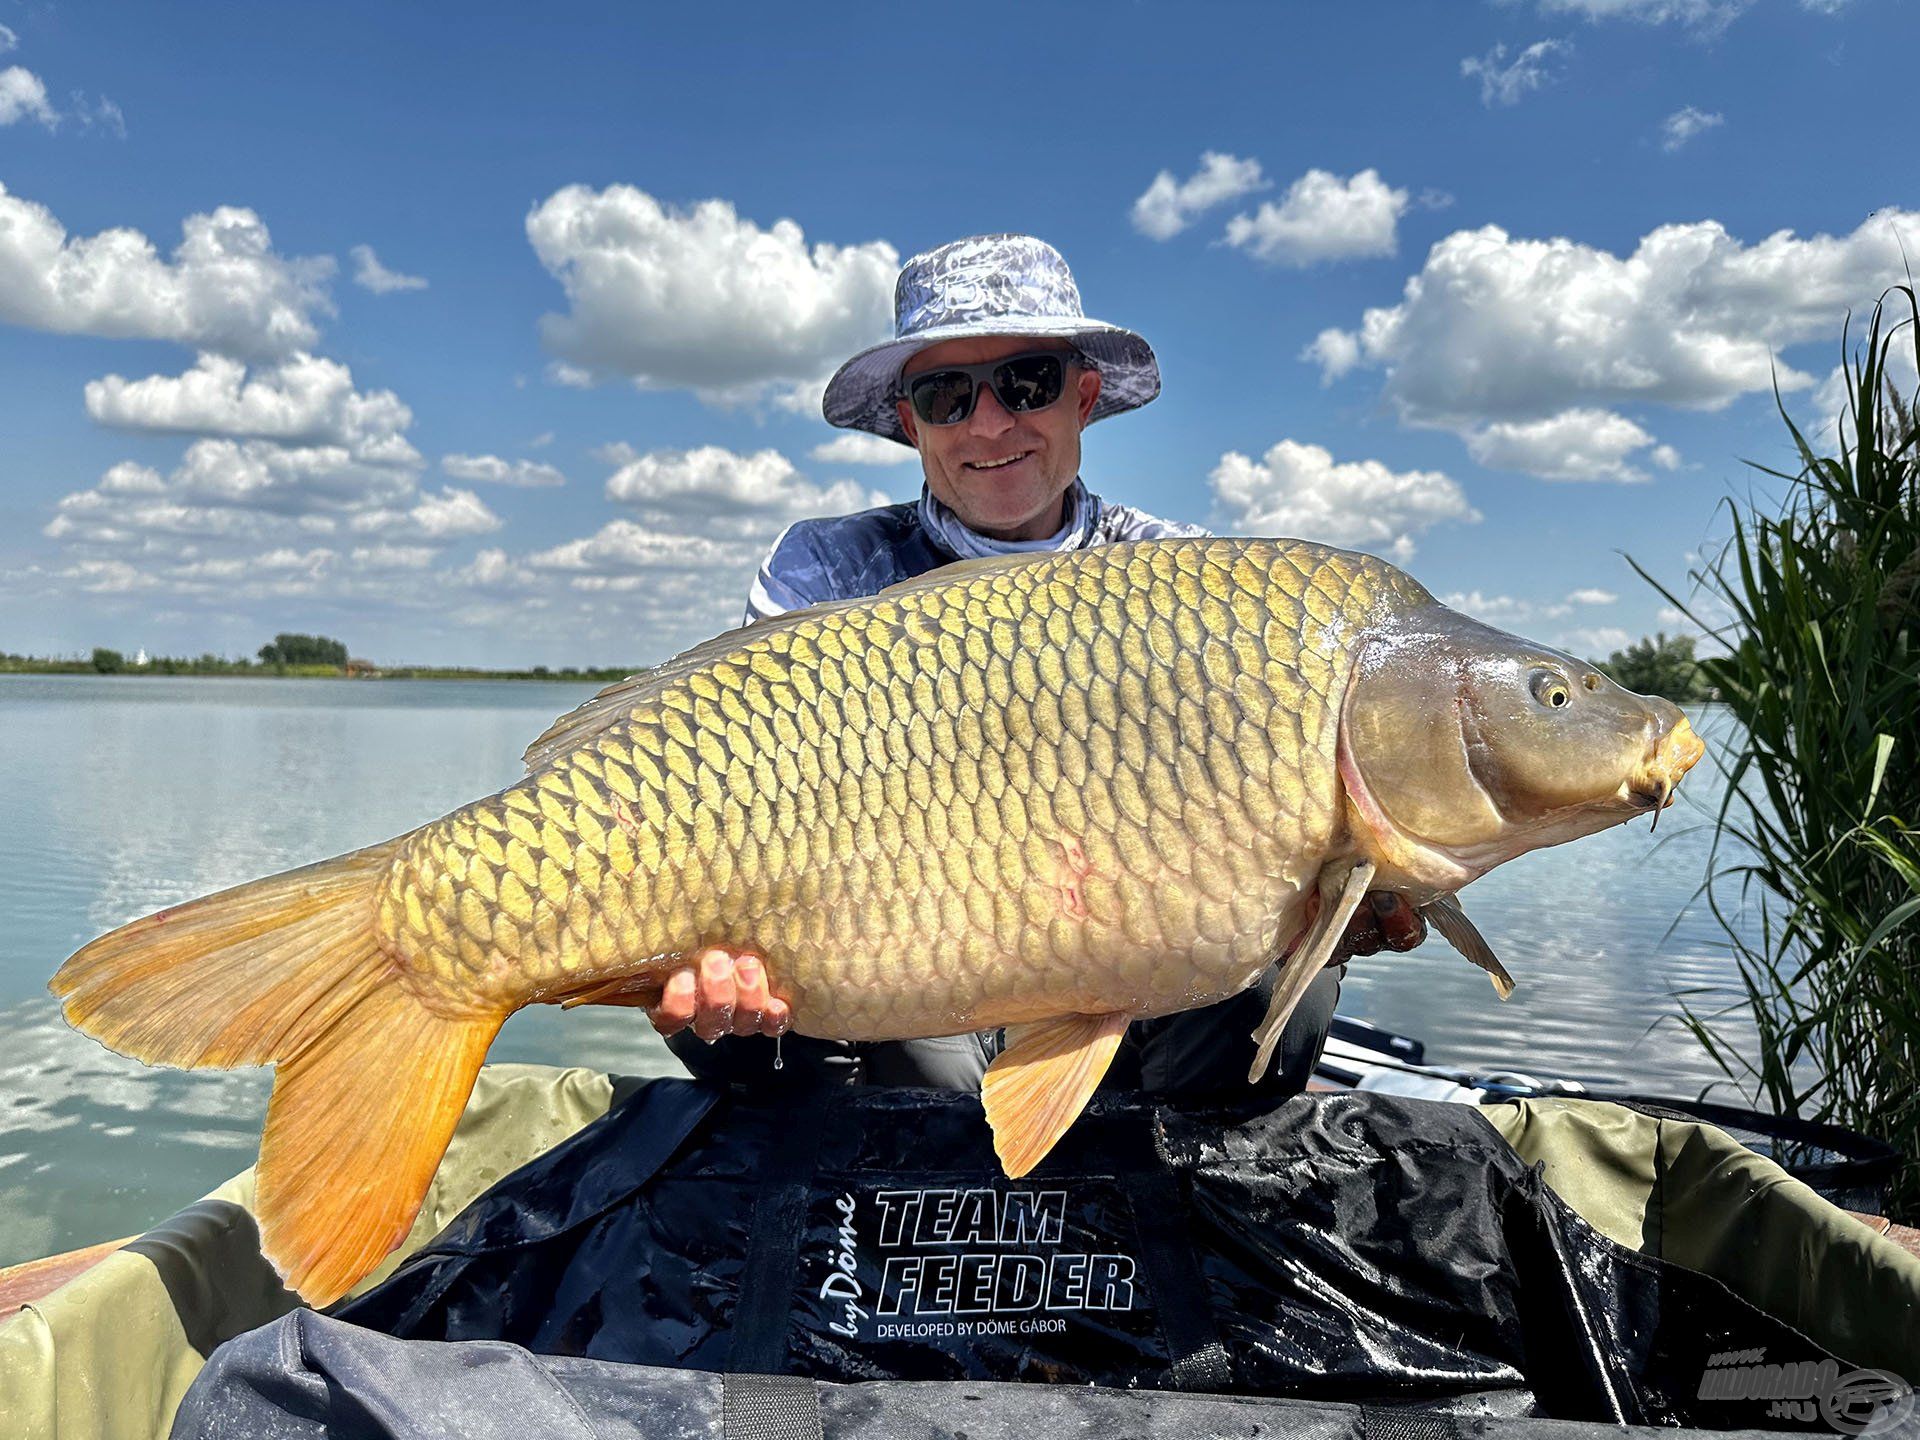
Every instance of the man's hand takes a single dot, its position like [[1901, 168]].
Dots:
[[721, 993], [1384, 921]]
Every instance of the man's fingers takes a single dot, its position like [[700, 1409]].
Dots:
[[1401, 926], [720, 994], [714, 1015], [750, 998], [1362, 936], [677, 1002], [1386, 922]]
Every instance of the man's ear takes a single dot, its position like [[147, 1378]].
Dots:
[[1089, 385], [907, 422]]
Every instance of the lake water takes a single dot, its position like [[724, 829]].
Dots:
[[127, 794]]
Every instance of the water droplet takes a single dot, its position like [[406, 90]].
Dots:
[[778, 1063]]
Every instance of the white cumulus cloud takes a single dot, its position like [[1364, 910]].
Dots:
[[1507, 82], [23, 96], [1832, 402], [1168, 206], [1301, 491], [1591, 595], [450, 515], [702, 299], [1577, 444], [1504, 609], [393, 557], [1322, 217], [303, 400], [8, 40], [620, 553], [495, 471], [238, 493], [225, 289], [1596, 642], [858, 449], [370, 274], [1685, 123], [1499, 328], [1335, 351], [718, 491]]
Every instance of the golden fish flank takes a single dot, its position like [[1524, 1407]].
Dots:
[[971, 804], [1054, 792]]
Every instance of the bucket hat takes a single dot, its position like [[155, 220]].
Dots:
[[987, 285]]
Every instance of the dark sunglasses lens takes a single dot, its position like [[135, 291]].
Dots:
[[1031, 382], [944, 397]]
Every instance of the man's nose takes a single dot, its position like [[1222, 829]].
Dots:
[[990, 417]]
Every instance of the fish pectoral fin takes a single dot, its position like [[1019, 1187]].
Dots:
[[1461, 933], [1040, 1083], [1340, 895]]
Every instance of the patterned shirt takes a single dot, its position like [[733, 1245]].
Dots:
[[847, 557]]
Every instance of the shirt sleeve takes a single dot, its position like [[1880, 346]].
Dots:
[[777, 586]]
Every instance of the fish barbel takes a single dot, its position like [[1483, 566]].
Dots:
[[1052, 792]]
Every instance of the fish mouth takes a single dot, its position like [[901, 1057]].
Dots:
[[1674, 751]]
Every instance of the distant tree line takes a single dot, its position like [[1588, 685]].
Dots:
[[286, 655], [304, 650], [316, 656], [1659, 665]]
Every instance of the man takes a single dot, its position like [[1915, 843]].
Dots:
[[992, 373]]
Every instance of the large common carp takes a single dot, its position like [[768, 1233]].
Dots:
[[1049, 792]]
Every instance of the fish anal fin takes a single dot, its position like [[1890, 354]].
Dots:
[[358, 1122], [1341, 891], [1040, 1083], [640, 992], [1463, 935]]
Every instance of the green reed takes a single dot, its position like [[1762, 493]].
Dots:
[[1816, 870]]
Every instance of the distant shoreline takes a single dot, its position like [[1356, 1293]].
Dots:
[[242, 671]]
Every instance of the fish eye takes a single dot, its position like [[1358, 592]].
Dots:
[[1551, 690]]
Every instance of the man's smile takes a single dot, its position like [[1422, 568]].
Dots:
[[996, 464]]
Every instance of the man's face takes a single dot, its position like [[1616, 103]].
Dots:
[[1002, 474]]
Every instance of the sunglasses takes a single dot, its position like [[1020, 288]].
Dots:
[[1021, 383]]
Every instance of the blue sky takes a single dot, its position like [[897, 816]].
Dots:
[[1495, 289]]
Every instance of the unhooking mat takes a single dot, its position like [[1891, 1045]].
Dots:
[[1349, 1248]]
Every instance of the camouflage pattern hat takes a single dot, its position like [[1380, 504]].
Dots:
[[987, 285]]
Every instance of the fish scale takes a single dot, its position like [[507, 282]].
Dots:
[[1099, 781]]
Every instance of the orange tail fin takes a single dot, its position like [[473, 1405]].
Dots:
[[370, 1080]]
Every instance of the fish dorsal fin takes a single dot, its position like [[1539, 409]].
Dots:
[[1461, 933], [614, 703], [1039, 1084], [1341, 891]]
